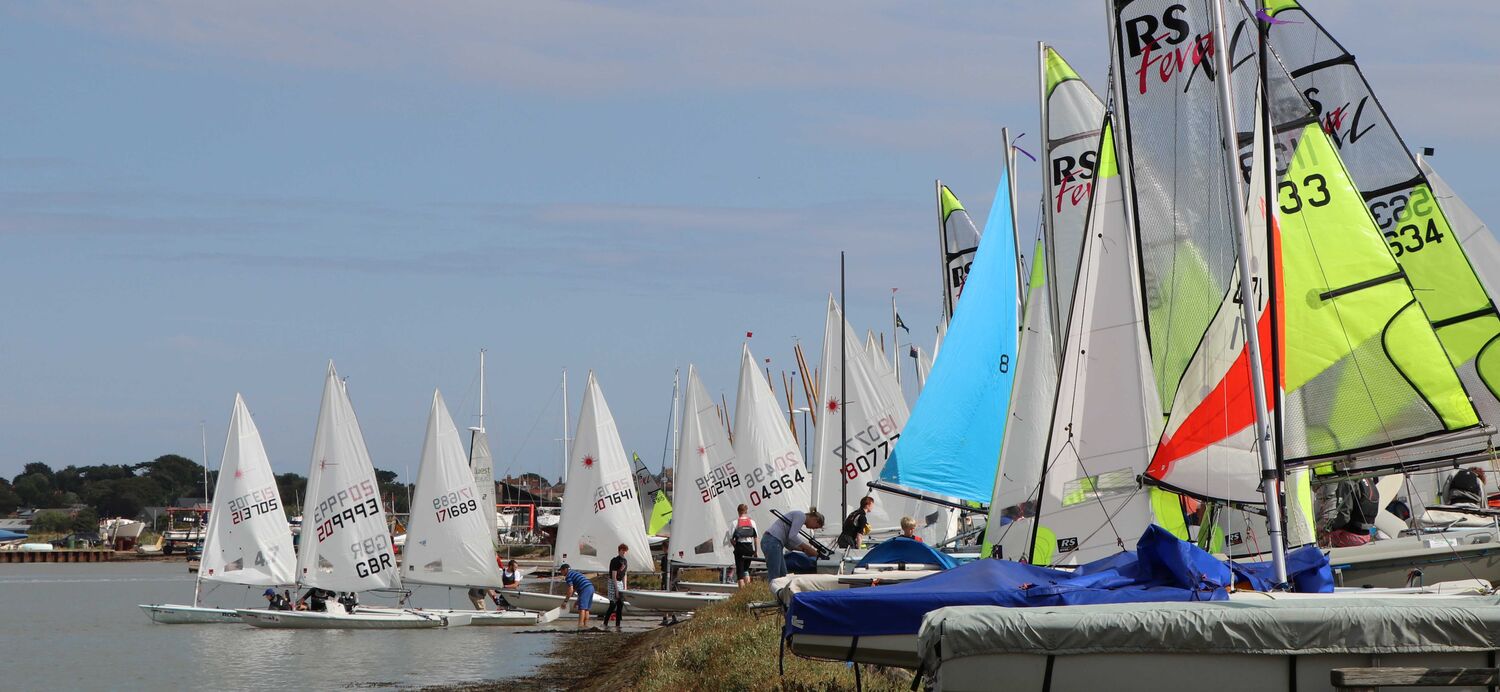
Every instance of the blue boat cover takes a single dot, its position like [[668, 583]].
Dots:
[[10, 535], [1307, 569], [951, 444], [903, 550], [1162, 568]]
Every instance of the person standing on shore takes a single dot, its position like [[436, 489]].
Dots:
[[857, 524], [744, 538], [786, 534], [617, 574], [581, 586]]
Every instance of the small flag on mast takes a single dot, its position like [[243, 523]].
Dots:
[[901, 324]]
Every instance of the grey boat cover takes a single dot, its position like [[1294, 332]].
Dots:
[[1351, 624]]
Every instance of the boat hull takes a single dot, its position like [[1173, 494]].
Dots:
[[488, 618], [368, 619], [168, 614], [671, 601], [1450, 557], [707, 587], [531, 600]]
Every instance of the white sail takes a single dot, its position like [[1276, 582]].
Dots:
[[706, 483], [1019, 474], [248, 541], [448, 541], [1092, 504], [924, 366], [482, 465], [873, 424], [884, 376], [345, 541], [1071, 114], [599, 509], [770, 463]]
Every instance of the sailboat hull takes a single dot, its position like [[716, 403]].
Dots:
[[671, 601], [708, 587], [167, 614], [1443, 557], [489, 618], [363, 619], [530, 600]]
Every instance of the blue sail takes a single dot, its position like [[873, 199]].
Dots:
[[951, 443]]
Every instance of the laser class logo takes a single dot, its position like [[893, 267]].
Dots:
[[1167, 47]]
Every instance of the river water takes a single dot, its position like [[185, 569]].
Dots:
[[77, 627]]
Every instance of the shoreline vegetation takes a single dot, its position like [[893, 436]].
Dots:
[[724, 646]]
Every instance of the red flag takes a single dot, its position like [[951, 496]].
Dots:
[[749, 334]]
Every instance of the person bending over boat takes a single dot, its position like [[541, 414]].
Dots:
[[510, 578], [349, 601], [580, 586], [786, 534], [617, 573], [744, 538], [1466, 488]]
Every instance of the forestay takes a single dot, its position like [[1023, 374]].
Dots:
[[345, 540], [771, 465], [706, 483], [448, 541], [599, 509], [248, 540], [951, 445]]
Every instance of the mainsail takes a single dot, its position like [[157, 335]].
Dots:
[[450, 540], [1415, 222], [345, 541], [884, 375], [923, 365], [1028, 419], [1071, 114], [874, 424], [771, 465], [1103, 426], [248, 541], [599, 509], [482, 465], [706, 483], [951, 445], [647, 485]]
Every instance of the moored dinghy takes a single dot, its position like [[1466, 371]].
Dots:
[[247, 541]]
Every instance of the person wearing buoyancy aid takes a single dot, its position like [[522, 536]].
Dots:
[[857, 524], [1348, 512], [744, 538]]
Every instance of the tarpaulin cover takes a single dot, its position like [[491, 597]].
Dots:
[[1162, 568], [1307, 569], [903, 550]]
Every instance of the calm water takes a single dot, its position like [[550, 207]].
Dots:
[[77, 627]]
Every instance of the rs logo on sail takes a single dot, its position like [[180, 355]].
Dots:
[[1167, 61], [1073, 178]]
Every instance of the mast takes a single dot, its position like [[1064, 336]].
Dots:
[[1269, 475], [942, 256], [203, 526], [1049, 242], [844, 384], [481, 390], [895, 338], [565, 429], [1015, 229], [1268, 151]]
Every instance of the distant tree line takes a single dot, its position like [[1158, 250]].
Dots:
[[125, 490]]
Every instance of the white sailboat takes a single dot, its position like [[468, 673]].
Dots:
[[776, 476], [345, 541], [706, 487], [247, 539]]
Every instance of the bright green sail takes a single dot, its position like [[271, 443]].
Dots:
[[661, 513]]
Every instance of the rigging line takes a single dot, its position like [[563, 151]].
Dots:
[[1108, 518], [527, 438]]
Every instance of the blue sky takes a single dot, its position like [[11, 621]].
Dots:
[[204, 198]]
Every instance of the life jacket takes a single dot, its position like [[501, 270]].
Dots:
[[743, 536], [1365, 506]]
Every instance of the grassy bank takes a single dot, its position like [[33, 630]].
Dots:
[[726, 647]]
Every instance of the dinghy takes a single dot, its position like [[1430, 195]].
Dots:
[[345, 545], [545, 602], [482, 618], [247, 539], [360, 619], [707, 587], [671, 601]]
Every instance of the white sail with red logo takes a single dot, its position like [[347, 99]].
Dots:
[[247, 541], [449, 539], [706, 483], [345, 541], [599, 507], [770, 461]]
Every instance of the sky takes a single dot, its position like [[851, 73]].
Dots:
[[204, 198]]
